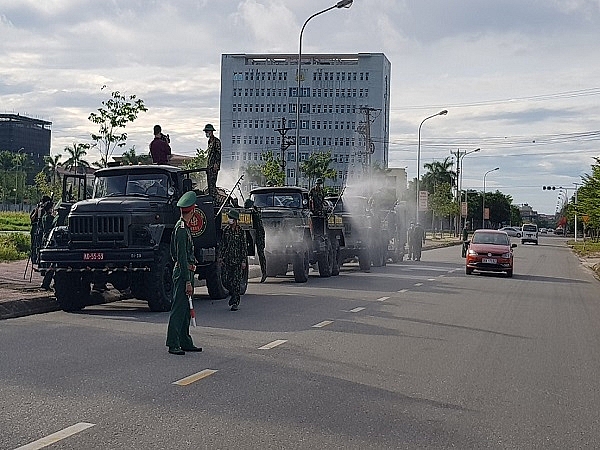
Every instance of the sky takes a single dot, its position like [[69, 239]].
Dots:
[[520, 79]]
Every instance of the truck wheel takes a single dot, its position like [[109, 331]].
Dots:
[[335, 271], [364, 261], [325, 262], [301, 266], [159, 281], [72, 291], [214, 284], [244, 281]]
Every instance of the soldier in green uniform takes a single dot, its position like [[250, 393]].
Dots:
[[257, 224], [213, 162], [48, 221], [179, 340], [232, 257], [316, 198]]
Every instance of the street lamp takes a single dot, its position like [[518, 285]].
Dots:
[[340, 4], [461, 183], [459, 177], [441, 113], [483, 202], [17, 159]]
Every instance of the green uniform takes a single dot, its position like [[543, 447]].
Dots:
[[214, 158], [48, 221], [257, 224], [233, 252], [317, 200], [182, 252]]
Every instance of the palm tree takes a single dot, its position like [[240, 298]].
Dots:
[[439, 172], [76, 154], [130, 158], [52, 164]]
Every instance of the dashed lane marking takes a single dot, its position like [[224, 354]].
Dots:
[[323, 324], [430, 279], [382, 299], [273, 344], [360, 308], [56, 437], [402, 291], [418, 284], [195, 377]]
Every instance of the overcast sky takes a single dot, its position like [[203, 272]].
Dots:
[[520, 78]]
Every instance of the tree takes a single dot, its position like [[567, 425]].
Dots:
[[442, 204], [131, 158], [76, 154], [254, 175], [112, 118], [317, 166], [438, 172], [51, 167], [271, 170], [198, 161]]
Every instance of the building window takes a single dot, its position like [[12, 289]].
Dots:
[[366, 76], [366, 92]]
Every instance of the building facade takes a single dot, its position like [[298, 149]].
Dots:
[[20, 134], [339, 94]]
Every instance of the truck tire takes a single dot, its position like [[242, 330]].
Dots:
[[335, 271], [364, 261], [214, 284], [72, 290], [325, 261], [159, 281], [301, 266]]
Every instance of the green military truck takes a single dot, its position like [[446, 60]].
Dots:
[[294, 236], [121, 235]]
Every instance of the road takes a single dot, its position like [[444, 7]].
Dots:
[[412, 355]]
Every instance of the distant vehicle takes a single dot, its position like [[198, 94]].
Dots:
[[544, 230], [512, 231], [490, 251], [530, 233], [559, 231]]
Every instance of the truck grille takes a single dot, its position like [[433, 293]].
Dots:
[[97, 228]]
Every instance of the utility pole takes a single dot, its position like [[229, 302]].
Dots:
[[369, 145], [457, 154], [285, 143]]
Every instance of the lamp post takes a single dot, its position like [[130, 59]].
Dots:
[[461, 183], [576, 189], [459, 175], [441, 113], [483, 202], [339, 4]]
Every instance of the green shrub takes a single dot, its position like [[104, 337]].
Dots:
[[14, 221], [14, 246]]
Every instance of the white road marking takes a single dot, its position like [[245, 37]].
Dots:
[[195, 377], [402, 291], [418, 284], [360, 308], [323, 324], [58, 436], [273, 344], [382, 299], [430, 279]]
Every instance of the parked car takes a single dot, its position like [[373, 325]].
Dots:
[[490, 251], [512, 231]]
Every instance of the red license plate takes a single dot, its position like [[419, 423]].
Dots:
[[93, 256]]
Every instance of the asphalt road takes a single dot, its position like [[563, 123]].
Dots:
[[412, 355]]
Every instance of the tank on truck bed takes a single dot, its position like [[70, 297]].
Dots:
[[296, 237], [122, 234]]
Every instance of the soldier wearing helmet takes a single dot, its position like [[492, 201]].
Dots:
[[233, 255], [316, 198], [213, 163]]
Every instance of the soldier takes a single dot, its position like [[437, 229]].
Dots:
[[232, 258], [36, 227], [48, 221], [316, 198], [411, 240], [418, 241], [257, 224], [213, 163], [179, 340], [465, 239], [160, 150]]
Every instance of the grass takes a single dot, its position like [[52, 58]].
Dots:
[[585, 248], [14, 246], [14, 221]]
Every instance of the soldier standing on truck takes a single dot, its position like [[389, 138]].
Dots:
[[160, 150], [316, 198], [232, 258], [179, 340], [213, 163], [257, 224]]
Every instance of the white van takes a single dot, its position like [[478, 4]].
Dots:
[[529, 233]]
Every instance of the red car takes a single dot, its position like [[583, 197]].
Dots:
[[490, 251]]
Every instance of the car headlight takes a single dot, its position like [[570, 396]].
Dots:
[[506, 255], [471, 252]]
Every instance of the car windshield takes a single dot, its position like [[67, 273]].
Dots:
[[278, 199], [490, 238], [529, 228], [149, 184]]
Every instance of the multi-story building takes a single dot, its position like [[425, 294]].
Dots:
[[259, 98], [26, 135]]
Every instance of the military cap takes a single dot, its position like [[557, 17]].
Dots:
[[209, 127], [233, 214], [248, 203], [188, 199], [319, 180]]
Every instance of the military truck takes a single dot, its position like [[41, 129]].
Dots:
[[296, 237], [121, 235]]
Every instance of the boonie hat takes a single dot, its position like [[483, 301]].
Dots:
[[187, 200], [319, 180], [209, 127], [233, 214]]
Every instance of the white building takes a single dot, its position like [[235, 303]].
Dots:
[[259, 97]]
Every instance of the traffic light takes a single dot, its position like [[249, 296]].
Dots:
[[549, 188]]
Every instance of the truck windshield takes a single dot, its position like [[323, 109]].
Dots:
[[149, 184], [278, 199]]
